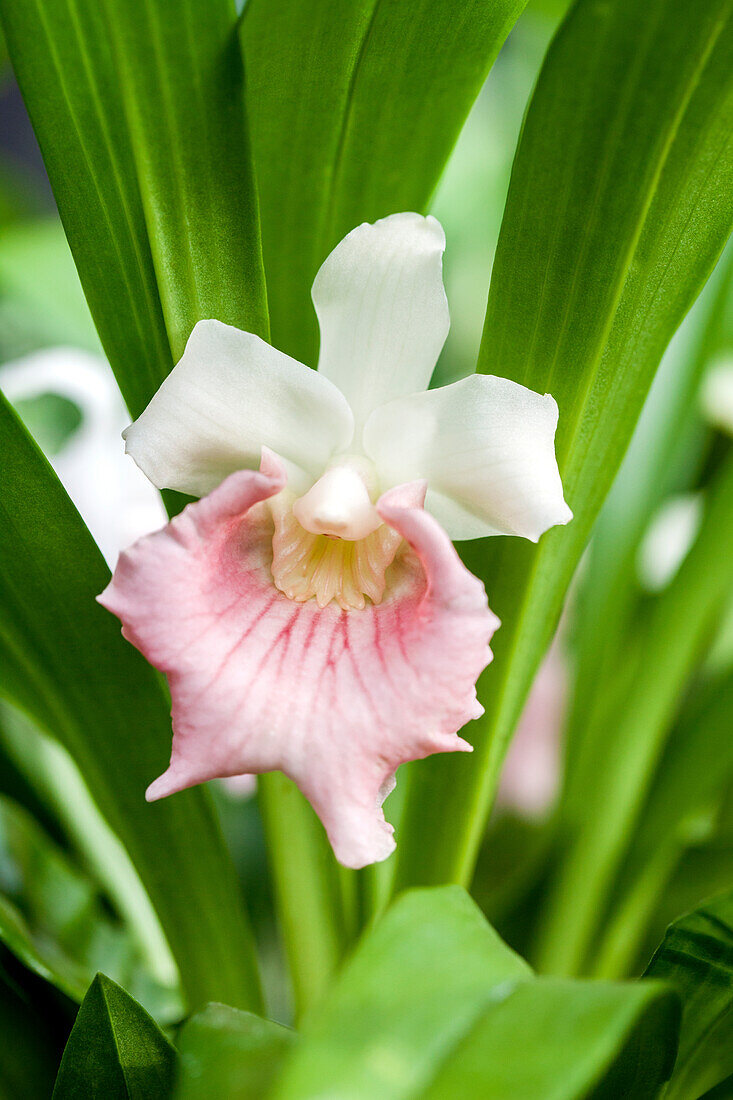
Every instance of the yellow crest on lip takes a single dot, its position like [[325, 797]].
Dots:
[[307, 566]]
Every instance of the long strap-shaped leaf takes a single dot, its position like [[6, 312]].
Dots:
[[183, 85], [694, 772], [62, 59], [354, 106], [62, 659], [619, 205], [433, 1004], [652, 468], [618, 770], [144, 136]]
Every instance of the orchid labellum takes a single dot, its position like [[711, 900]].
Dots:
[[310, 611]]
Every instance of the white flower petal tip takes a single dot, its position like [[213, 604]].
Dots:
[[382, 310], [228, 395], [486, 447], [335, 699]]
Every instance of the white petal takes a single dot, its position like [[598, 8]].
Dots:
[[382, 310], [485, 446], [228, 396]]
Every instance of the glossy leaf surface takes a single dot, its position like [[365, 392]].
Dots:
[[115, 1050], [63, 61], [354, 107], [434, 1004], [144, 137], [696, 956], [183, 86], [230, 1054]]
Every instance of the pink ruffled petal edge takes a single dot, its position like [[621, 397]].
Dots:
[[335, 699]]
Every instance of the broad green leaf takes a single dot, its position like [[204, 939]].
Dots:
[[433, 1004], [696, 956], [115, 1050], [356, 126], [227, 1053], [62, 57], [181, 72], [619, 205], [15, 783], [672, 642], [416, 983], [64, 662], [554, 1039]]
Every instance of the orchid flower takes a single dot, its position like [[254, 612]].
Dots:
[[310, 614]]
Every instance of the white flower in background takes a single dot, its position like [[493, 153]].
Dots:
[[310, 614], [117, 503], [668, 540], [717, 394]]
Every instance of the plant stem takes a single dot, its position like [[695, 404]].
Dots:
[[308, 888]]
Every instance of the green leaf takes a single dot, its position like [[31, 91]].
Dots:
[[54, 923], [619, 205], [664, 456], [417, 981], [227, 1053], [55, 920], [696, 955], [144, 136], [57, 781], [63, 62], [181, 71], [696, 767], [46, 960], [563, 1040], [306, 881], [616, 774], [433, 1004], [62, 659], [115, 1050], [356, 126]]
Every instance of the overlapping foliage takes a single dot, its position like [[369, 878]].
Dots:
[[204, 162]]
